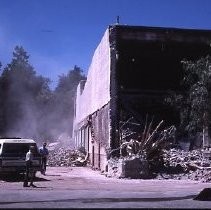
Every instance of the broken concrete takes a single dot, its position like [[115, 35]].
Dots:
[[133, 168]]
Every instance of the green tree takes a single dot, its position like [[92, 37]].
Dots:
[[64, 95], [195, 102], [23, 94]]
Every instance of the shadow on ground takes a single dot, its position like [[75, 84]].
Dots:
[[104, 200], [18, 178]]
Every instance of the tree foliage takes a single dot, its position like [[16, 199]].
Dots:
[[64, 98], [22, 92], [195, 100], [28, 107]]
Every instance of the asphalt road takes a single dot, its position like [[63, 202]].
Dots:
[[78, 187]]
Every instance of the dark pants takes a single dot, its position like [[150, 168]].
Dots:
[[44, 162], [29, 174]]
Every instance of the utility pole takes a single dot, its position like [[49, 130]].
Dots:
[[117, 20]]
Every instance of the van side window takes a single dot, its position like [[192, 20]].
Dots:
[[14, 149]]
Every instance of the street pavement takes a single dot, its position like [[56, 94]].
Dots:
[[81, 187]]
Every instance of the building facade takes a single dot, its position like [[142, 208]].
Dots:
[[132, 71]]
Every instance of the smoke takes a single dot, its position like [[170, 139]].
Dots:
[[31, 109], [26, 126], [29, 117], [22, 113]]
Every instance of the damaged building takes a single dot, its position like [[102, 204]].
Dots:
[[133, 69]]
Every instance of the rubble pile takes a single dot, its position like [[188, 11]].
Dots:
[[177, 164], [66, 157], [185, 159], [203, 175], [157, 147], [194, 165]]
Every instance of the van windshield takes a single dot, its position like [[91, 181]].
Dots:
[[17, 149]]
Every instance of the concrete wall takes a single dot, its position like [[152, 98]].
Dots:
[[92, 105], [96, 91]]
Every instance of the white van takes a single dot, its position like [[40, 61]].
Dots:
[[13, 152]]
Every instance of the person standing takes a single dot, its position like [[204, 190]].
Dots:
[[29, 173], [44, 155]]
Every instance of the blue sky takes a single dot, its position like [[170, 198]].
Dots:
[[58, 34]]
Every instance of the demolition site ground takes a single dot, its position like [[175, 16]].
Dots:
[[82, 187]]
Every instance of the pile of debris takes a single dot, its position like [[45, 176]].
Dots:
[[177, 164], [138, 156], [154, 155], [195, 164], [186, 159], [67, 157]]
